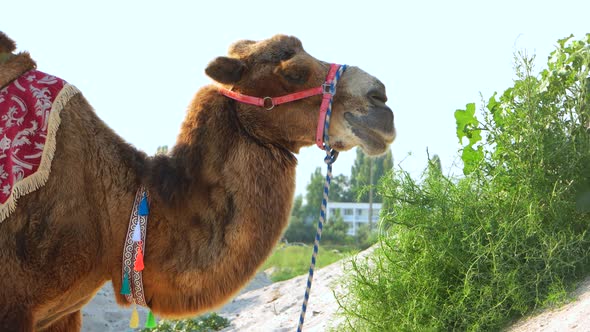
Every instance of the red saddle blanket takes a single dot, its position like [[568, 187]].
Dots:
[[29, 119]]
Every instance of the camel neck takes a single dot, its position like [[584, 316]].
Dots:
[[220, 203]]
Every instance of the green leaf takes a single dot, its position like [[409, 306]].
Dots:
[[495, 109], [562, 41], [467, 124], [471, 159], [466, 121]]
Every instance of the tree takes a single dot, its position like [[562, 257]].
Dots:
[[434, 166], [365, 237], [360, 177], [340, 189], [162, 150], [336, 231], [314, 195], [297, 209], [299, 231], [359, 174], [339, 192]]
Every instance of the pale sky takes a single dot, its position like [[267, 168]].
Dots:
[[140, 62]]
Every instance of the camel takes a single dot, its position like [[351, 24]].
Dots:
[[219, 200]]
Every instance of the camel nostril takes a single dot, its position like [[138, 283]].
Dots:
[[377, 96]]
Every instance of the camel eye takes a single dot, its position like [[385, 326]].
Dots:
[[296, 74]]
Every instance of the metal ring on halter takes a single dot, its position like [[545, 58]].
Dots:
[[329, 88], [272, 104]]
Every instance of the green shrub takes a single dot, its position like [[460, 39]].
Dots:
[[206, 323], [511, 236]]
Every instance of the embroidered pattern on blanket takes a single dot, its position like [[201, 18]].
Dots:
[[30, 109]]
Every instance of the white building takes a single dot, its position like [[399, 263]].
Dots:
[[354, 214]]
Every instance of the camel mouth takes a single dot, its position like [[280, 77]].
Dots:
[[376, 131]]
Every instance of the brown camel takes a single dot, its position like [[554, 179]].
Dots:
[[220, 199]]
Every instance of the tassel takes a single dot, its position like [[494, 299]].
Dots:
[[138, 259], [125, 289], [150, 322], [134, 321], [143, 206], [136, 233]]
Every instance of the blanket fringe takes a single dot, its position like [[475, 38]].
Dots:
[[39, 178]]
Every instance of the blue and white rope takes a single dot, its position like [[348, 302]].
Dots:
[[330, 158]]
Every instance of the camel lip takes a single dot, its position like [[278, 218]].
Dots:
[[374, 142], [370, 143], [373, 125]]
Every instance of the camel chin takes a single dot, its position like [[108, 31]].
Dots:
[[374, 137]]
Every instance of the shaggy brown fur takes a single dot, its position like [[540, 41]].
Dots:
[[9, 72], [7, 45], [220, 199]]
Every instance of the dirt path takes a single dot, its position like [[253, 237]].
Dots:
[[277, 306], [574, 316]]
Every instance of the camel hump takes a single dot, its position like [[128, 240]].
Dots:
[[7, 45]]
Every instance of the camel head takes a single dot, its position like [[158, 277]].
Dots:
[[280, 66]]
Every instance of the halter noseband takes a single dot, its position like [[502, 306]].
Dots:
[[327, 89]]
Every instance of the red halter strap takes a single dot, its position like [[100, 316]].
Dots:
[[327, 89]]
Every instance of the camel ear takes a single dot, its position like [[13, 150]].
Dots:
[[225, 70]]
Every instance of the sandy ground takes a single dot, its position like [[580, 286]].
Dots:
[[103, 314], [263, 306], [277, 307], [574, 316]]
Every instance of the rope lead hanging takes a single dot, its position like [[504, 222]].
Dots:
[[330, 158]]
